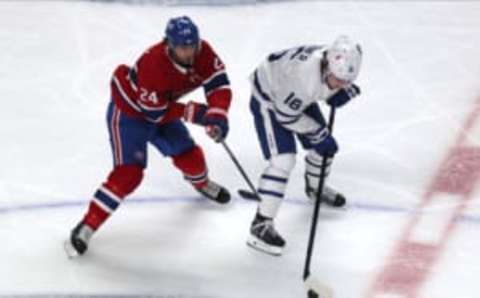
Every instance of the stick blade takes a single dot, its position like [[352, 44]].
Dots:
[[248, 195], [317, 289]]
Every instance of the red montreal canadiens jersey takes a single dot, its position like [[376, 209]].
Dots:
[[150, 89]]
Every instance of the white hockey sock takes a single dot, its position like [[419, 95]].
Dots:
[[273, 183], [313, 168]]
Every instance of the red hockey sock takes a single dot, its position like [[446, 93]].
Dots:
[[123, 180], [193, 166]]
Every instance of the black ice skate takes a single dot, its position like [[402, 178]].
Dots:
[[78, 242], [215, 192], [330, 196], [264, 237]]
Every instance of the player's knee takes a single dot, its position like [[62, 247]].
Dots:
[[124, 179], [282, 164]]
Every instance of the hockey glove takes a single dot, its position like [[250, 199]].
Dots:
[[195, 112], [327, 147], [216, 124], [343, 96]]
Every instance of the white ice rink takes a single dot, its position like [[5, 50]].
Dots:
[[420, 81]]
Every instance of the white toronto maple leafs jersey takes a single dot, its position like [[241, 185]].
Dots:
[[289, 81]]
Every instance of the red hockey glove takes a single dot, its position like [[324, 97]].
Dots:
[[216, 123], [194, 112]]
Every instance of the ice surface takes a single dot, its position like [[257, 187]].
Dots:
[[419, 81]]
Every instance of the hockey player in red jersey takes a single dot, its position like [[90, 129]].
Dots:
[[144, 109]]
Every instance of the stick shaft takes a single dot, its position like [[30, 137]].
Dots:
[[240, 168], [316, 210]]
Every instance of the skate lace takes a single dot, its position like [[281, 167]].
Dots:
[[327, 192], [212, 188], [266, 227], [85, 233]]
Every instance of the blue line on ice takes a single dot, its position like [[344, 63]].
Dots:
[[368, 207]]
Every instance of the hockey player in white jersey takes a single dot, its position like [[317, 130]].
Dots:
[[286, 89]]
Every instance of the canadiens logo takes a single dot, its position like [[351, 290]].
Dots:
[[217, 64]]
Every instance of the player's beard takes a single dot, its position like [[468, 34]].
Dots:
[[187, 62]]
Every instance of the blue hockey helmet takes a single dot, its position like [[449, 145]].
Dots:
[[181, 31]]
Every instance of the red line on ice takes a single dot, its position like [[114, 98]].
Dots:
[[411, 262]]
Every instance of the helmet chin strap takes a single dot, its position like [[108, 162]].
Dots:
[[324, 68]]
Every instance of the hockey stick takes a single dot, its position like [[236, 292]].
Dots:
[[316, 289], [248, 195], [254, 194]]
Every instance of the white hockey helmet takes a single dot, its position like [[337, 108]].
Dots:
[[344, 58]]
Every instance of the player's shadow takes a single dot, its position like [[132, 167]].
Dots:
[[134, 253], [152, 277], [165, 225]]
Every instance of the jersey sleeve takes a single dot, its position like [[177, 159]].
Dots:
[[300, 114], [308, 122], [296, 120], [216, 85]]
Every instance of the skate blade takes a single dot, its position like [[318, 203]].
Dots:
[[71, 252], [214, 199], [261, 246]]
